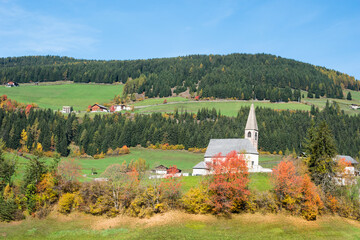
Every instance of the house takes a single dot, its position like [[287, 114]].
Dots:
[[352, 164], [12, 84], [119, 108], [173, 170], [66, 109], [247, 146], [161, 169], [354, 106], [98, 108]]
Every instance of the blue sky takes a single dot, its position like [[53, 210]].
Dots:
[[325, 33]]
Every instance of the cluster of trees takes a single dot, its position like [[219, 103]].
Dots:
[[243, 76], [300, 187], [279, 130], [40, 130]]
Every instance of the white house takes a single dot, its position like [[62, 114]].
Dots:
[[354, 106], [352, 163], [119, 108], [247, 146], [66, 109]]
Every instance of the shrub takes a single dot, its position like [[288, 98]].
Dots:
[[147, 203], [102, 205], [197, 200], [265, 202], [66, 203]]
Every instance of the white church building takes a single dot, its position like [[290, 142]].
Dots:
[[247, 146]]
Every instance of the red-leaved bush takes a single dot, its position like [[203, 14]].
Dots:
[[228, 183]]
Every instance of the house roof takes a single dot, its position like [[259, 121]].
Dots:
[[225, 146], [347, 159], [161, 167], [101, 106], [251, 121], [200, 165]]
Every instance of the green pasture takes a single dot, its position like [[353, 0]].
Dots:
[[227, 108], [182, 159], [344, 104], [179, 225], [80, 96], [155, 101]]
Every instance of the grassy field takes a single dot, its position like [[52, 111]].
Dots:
[[179, 225], [154, 101], [343, 103], [228, 108], [80, 96], [182, 159]]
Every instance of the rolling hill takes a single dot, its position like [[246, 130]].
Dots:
[[241, 76]]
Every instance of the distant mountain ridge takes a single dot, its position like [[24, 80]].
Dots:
[[242, 76]]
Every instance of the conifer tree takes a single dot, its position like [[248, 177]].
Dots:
[[321, 150]]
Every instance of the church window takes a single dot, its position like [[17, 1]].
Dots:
[[256, 136], [249, 134]]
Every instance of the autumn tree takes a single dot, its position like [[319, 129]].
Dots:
[[170, 187], [228, 184], [122, 184], [296, 192], [69, 170]]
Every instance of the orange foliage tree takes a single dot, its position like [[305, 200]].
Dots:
[[295, 192], [228, 184]]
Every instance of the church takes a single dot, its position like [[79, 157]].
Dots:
[[247, 146]]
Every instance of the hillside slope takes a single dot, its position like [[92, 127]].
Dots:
[[243, 76]]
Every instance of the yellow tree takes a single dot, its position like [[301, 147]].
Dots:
[[23, 140]]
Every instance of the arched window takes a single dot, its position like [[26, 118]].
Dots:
[[256, 136], [249, 134]]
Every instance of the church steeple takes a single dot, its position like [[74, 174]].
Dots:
[[251, 128]]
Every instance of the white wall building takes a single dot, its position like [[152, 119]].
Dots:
[[247, 146]]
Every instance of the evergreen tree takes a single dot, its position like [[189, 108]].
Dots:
[[321, 150], [348, 97]]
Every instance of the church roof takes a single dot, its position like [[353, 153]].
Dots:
[[201, 165], [251, 121], [347, 159], [225, 146]]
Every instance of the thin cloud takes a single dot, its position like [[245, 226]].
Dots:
[[23, 31]]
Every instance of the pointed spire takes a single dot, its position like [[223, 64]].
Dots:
[[251, 121]]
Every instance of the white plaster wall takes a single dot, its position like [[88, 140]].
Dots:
[[200, 172]]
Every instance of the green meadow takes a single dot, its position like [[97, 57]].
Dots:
[[227, 108], [179, 225], [80, 96], [184, 160]]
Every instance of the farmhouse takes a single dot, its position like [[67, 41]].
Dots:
[[98, 108], [66, 109], [246, 146], [12, 84], [352, 164], [161, 169], [119, 108]]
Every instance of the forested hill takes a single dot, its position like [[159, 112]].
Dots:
[[243, 76]]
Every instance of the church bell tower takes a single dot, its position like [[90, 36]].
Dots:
[[251, 128]]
